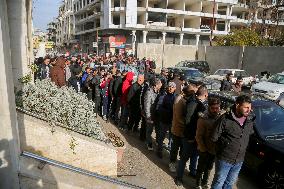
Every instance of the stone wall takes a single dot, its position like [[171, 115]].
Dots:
[[222, 57], [258, 59], [39, 137], [166, 55], [252, 59]]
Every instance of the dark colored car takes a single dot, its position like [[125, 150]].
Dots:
[[265, 153], [193, 75], [201, 65]]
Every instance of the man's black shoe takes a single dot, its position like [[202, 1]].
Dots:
[[160, 154], [178, 182]]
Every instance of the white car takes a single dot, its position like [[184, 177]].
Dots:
[[272, 88], [220, 74]]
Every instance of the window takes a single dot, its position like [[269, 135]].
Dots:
[[241, 74]]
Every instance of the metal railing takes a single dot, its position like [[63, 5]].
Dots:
[[78, 170]]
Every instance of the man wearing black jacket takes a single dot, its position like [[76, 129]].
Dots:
[[232, 133], [133, 99], [194, 106], [95, 86], [116, 91]]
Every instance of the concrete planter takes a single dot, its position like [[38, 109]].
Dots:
[[39, 137]]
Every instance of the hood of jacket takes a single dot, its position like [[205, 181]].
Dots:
[[129, 76], [60, 62]]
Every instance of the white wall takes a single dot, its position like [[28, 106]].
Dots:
[[9, 139]]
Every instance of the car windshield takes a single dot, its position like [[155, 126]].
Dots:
[[192, 73], [269, 118], [241, 74], [222, 72], [277, 78]]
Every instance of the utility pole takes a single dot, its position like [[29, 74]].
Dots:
[[97, 41], [213, 23]]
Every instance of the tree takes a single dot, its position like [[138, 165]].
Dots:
[[241, 37]]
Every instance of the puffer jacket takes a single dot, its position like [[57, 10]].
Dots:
[[150, 104], [231, 138], [125, 87], [57, 73], [205, 128]]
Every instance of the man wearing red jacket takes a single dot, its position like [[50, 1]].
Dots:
[[127, 83]]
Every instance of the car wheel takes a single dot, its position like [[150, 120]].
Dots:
[[273, 178]]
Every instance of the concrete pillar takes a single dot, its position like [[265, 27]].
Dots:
[[164, 37], [145, 36], [181, 38], [226, 25], [9, 138], [133, 41], [17, 18], [197, 39], [228, 10]]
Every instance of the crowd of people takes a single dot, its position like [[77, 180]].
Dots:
[[129, 92]]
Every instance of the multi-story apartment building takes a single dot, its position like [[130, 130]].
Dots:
[[65, 25], [118, 25]]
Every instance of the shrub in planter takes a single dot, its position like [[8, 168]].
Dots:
[[61, 106]]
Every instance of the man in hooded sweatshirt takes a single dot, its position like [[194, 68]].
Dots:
[[127, 83], [57, 73]]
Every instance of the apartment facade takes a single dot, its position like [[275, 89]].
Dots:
[[118, 25], [65, 25]]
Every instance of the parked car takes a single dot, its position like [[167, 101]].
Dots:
[[201, 65], [272, 88], [220, 74], [193, 75], [265, 153]]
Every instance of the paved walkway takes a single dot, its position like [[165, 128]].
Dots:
[[142, 167]]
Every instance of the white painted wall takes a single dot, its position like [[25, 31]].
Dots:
[[9, 139], [131, 13]]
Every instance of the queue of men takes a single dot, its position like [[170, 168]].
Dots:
[[145, 102]]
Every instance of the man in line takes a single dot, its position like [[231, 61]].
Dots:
[[237, 87], [133, 100], [95, 86], [232, 133], [150, 101], [194, 107], [57, 73], [165, 112], [206, 148], [44, 69], [226, 84]]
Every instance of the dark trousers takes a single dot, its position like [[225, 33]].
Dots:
[[189, 151], [105, 106], [116, 107], [175, 148], [89, 95], [134, 118], [124, 117], [97, 101], [205, 165], [161, 135], [143, 129]]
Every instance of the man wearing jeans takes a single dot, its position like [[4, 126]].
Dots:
[[231, 136], [150, 102], [194, 107]]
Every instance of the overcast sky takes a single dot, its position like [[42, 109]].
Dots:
[[44, 11]]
